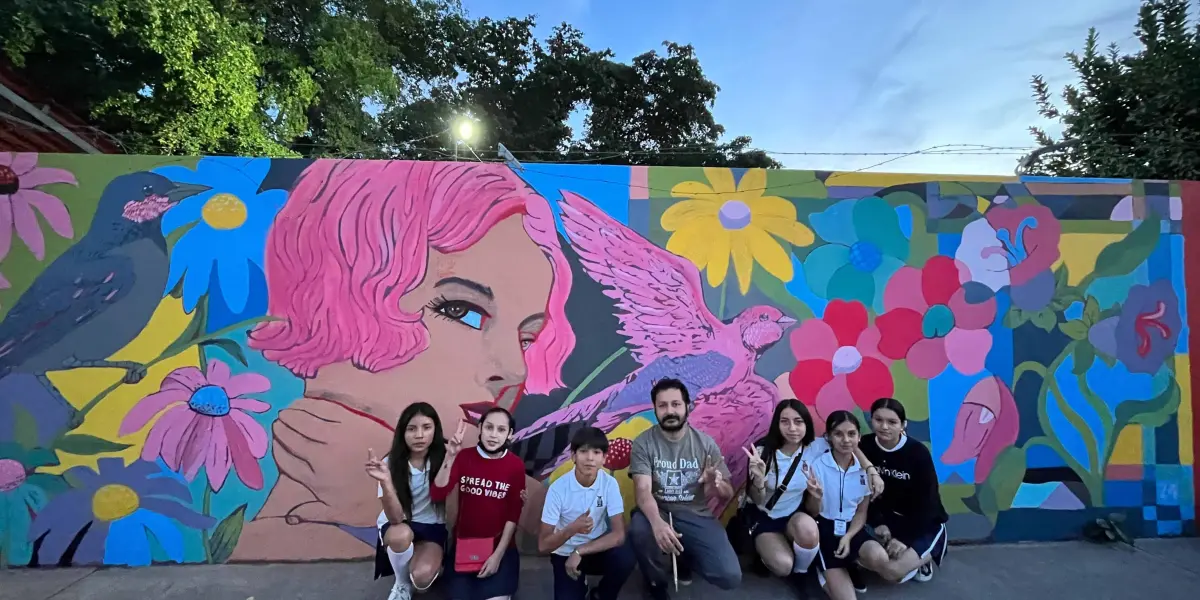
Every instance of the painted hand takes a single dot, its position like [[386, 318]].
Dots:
[[314, 441]]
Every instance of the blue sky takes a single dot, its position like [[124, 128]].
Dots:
[[858, 75]]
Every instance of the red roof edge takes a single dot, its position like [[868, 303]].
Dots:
[[21, 138]]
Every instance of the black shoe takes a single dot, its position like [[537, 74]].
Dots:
[[657, 592], [684, 570], [856, 578], [799, 584]]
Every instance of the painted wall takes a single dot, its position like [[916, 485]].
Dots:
[[196, 354]]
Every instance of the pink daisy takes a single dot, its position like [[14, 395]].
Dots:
[[19, 175], [205, 423]]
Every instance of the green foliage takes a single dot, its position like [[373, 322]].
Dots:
[[360, 78], [82, 444], [1130, 115], [225, 536]]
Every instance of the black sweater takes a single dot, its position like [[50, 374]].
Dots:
[[910, 504]]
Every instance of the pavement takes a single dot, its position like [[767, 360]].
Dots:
[[1164, 569]]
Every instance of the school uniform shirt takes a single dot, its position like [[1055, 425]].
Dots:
[[842, 491], [910, 504], [489, 493], [423, 508], [567, 500], [790, 500]]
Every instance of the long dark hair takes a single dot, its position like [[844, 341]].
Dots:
[[891, 404], [774, 440], [398, 456]]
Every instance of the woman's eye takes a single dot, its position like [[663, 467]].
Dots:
[[464, 312]]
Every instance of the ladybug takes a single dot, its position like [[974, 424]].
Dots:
[[619, 451]]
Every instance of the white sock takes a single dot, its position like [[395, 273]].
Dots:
[[804, 558], [399, 562]]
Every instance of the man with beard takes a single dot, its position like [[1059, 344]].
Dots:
[[675, 470], [484, 562]]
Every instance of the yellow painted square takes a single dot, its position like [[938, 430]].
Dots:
[[1128, 449], [1187, 449], [1079, 252]]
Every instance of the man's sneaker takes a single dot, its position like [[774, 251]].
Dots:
[[684, 570], [657, 592], [400, 591], [856, 578], [925, 573]]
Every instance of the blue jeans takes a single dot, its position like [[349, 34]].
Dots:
[[705, 545], [613, 566]]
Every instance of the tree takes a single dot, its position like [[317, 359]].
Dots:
[[361, 78], [1135, 115]]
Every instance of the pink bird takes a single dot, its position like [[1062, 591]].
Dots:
[[660, 305]]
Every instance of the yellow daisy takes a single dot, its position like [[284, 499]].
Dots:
[[720, 221]]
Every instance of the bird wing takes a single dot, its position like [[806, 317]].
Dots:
[[69, 293], [659, 296], [736, 417]]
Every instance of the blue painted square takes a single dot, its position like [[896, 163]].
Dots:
[[1123, 494], [1149, 513], [1170, 528], [1169, 513], [639, 216], [1187, 512]]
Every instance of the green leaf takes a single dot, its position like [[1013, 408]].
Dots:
[[174, 237], [40, 457], [1015, 317], [230, 347], [1109, 361], [25, 432], [1122, 257], [193, 330], [225, 536], [82, 444], [1075, 329], [1091, 311], [1045, 319], [1060, 277], [1085, 355], [1155, 412], [1007, 474]]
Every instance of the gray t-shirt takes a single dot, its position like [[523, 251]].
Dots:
[[675, 468]]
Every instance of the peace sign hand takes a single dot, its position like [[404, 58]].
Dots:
[[814, 483], [758, 467], [376, 469], [454, 444]]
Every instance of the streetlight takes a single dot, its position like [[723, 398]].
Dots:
[[465, 130]]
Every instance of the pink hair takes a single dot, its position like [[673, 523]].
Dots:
[[354, 238]]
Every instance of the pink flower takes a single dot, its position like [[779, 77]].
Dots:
[[931, 322], [19, 175], [205, 423], [837, 363]]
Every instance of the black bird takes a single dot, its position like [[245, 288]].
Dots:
[[95, 298]]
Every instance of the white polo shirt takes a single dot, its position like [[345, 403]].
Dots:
[[842, 491], [567, 499], [423, 508]]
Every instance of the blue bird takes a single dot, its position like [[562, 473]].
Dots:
[[97, 296]]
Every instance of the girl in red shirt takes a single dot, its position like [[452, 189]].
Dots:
[[490, 481]]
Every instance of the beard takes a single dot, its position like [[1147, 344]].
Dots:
[[673, 423]]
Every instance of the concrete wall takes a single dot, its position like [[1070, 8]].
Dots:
[[196, 354]]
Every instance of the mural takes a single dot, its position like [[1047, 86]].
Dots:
[[196, 353]]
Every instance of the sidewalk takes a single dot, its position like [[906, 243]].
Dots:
[[1160, 569]]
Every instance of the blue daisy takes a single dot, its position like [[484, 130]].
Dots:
[[224, 230]]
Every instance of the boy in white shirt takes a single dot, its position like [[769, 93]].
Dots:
[[583, 524]]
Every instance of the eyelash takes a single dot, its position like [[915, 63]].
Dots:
[[441, 307]]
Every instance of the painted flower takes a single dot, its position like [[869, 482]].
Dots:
[[1146, 332], [205, 422], [23, 493], [936, 317], [987, 423], [866, 245], [19, 176], [838, 365], [1014, 246], [723, 221], [118, 508], [227, 229]]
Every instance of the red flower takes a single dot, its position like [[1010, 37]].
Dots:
[[930, 322], [838, 361]]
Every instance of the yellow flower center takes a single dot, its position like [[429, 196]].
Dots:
[[224, 211], [114, 501]]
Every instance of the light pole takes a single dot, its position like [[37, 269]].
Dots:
[[464, 131]]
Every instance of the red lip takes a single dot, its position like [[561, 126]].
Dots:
[[473, 410]]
